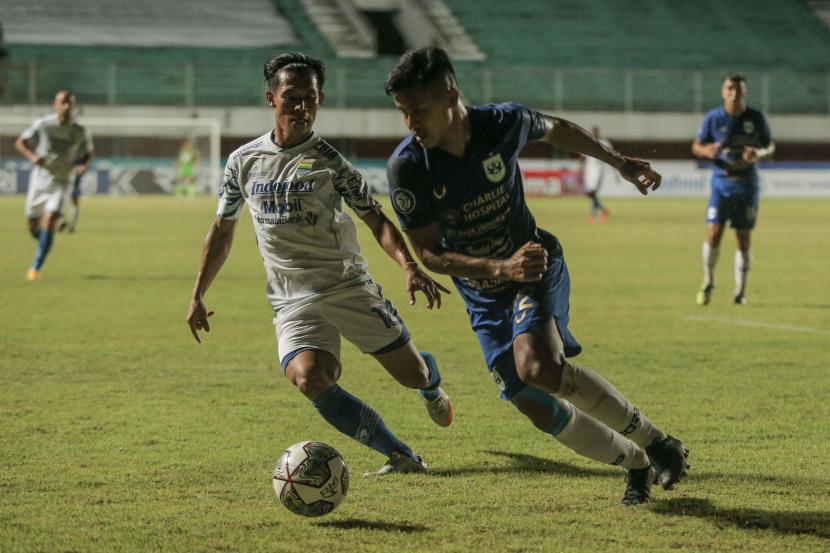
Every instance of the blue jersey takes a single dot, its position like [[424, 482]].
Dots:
[[733, 133], [477, 199]]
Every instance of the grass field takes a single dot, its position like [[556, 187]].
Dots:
[[119, 433]]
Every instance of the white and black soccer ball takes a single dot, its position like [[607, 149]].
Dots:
[[311, 479]]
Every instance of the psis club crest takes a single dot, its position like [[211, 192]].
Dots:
[[494, 168]]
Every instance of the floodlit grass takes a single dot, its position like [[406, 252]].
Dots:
[[120, 433]]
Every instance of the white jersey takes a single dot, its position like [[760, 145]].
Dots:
[[60, 146], [295, 195], [595, 170]]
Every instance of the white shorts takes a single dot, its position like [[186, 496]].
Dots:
[[45, 200], [360, 314]]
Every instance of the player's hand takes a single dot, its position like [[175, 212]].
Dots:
[[640, 173], [528, 264], [750, 154], [197, 318], [709, 151], [417, 279]]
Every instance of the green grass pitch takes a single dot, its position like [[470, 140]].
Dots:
[[119, 433]]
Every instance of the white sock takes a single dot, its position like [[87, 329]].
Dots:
[[598, 397], [710, 259], [590, 438], [742, 263]]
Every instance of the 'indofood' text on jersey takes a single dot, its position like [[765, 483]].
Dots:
[[307, 241]]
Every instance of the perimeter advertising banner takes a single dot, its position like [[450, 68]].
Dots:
[[541, 178]]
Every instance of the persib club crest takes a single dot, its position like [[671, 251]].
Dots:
[[494, 168], [304, 167]]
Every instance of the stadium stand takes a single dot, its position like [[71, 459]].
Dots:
[[666, 56]]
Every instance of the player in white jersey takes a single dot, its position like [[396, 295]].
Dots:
[[59, 148], [594, 173], [294, 184]]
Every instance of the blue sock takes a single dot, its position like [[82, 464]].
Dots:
[[357, 420], [561, 412], [433, 386], [44, 244]]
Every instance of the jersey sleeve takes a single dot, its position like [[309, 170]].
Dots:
[[527, 123], [704, 134], [409, 192], [32, 130], [87, 147], [231, 199], [354, 189], [764, 133]]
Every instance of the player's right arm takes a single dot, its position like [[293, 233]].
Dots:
[[705, 151], [704, 145], [214, 253], [22, 146], [527, 264]]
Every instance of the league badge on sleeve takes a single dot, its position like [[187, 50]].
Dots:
[[403, 200]]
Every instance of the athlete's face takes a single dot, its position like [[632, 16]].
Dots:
[[64, 104], [427, 112], [734, 94], [295, 101]]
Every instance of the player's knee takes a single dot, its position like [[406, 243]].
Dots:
[[541, 370], [310, 378]]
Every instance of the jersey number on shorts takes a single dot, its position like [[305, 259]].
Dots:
[[387, 316]]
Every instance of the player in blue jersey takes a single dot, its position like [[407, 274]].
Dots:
[[457, 189], [295, 186], [736, 137]]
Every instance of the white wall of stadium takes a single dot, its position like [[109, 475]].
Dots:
[[541, 178]]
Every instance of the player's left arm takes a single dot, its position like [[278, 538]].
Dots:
[[571, 137], [392, 242]]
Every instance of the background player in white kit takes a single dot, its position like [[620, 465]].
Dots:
[[594, 173], [294, 184], [59, 148]]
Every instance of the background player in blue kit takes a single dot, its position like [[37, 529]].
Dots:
[[457, 189], [736, 137]]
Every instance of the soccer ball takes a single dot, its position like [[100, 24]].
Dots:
[[311, 479]]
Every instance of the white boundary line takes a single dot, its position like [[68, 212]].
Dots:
[[741, 322]]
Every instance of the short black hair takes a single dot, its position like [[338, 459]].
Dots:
[[736, 77], [293, 61], [421, 67]]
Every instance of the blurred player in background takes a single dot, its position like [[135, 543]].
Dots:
[[294, 183], [187, 167], [59, 148], [457, 188], [736, 137], [593, 173]]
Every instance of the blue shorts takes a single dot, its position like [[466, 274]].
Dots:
[[734, 202], [519, 309]]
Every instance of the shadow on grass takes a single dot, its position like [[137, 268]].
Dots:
[[813, 523], [523, 462], [361, 524]]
